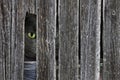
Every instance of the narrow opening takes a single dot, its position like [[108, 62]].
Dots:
[[79, 43], [57, 41], [101, 43], [30, 47]]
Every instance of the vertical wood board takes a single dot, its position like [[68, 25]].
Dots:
[[17, 40], [46, 31], [68, 22], [5, 25], [90, 19], [111, 40]]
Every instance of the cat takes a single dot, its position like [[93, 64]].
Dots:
[[30, 37], [30, 47]]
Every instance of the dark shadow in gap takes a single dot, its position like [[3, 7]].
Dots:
[[101, 43]]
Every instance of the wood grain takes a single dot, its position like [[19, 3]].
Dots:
[[30, 6], [5, 26], [46, 34], [11, 37], [17, 40], [111, 40], [68, 15], [79, 33], [90, 19]]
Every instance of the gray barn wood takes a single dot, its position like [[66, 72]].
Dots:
[[46, 31], [111, 40], [11, 39], [5, 26], [17, 40], [90, 14], [71, 34], [30, 6], [68, 15]]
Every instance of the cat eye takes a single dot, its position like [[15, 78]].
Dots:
[[32, 35]]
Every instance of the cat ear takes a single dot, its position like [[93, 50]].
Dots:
[[27, 13]]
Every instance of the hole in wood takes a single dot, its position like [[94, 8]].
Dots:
[[30, 47]]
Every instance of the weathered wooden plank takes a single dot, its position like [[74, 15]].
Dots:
[[5, 25], [30, 6], [90, 19], [68, 39], [46, 33], [17, 40], [111, 40], [1, 51]]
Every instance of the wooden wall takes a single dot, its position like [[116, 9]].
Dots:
[[72, 35]]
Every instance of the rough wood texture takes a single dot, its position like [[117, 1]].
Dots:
[[30, 6], [90, 13], [5, 25], [68, 39], [111, 40], [72, 25], [11, 39], [17, 40], [46, 33]]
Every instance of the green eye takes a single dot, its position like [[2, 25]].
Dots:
[[31, 35]]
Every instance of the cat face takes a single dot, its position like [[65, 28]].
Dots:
[[30, 37]]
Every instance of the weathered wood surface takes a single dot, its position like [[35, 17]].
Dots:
[[72, 25], [30, 6], [5, 26], [90, 14], [68, 15], [46, 33], [17, 40], [11, 39], [111, 40]]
